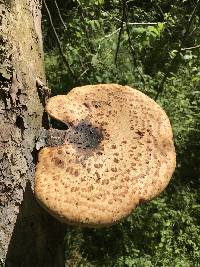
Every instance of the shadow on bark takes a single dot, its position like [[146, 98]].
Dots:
[[37, 239]]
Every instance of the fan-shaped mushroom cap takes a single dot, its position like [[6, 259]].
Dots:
[[117, 152]]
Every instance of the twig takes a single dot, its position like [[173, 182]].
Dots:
[[58, 41], [143, 23], [173, 60], [121, 29], [160, 9], [112, 33], [84, 72], [60, 16], [86, 30], [190, 48], [132, 50], [192, 15], [138, 23]]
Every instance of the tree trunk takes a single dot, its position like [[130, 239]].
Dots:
[[29, 237]]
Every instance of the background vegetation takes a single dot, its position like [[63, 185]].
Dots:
[[153, 46]]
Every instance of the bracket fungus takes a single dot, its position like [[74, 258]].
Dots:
[[116, 152]]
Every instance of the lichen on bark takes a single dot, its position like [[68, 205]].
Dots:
[[24, 226]]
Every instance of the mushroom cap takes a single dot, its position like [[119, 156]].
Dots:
[[117, 153]]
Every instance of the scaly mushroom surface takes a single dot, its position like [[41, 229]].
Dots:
[[117, 152]]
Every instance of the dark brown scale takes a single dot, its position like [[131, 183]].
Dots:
[[84, 136], [58, 162]]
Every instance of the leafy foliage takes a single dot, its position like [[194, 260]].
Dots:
[[161, 59]]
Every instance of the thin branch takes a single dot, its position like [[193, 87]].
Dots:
[[143, 23], [173, 60], [131, 47], [190, 48], [84, 15], [138, 23], [60, 16], [160, 9], [112, 33], [121, 29], [58, 41], [83, 73], [193, 13]]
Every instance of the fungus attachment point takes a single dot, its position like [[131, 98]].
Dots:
[[116, 152]]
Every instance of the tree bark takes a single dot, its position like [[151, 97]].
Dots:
[[29, 237]]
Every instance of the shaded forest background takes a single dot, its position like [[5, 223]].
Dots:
[[153, 46]]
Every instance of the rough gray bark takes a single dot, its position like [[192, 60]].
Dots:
[[29, 237]]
